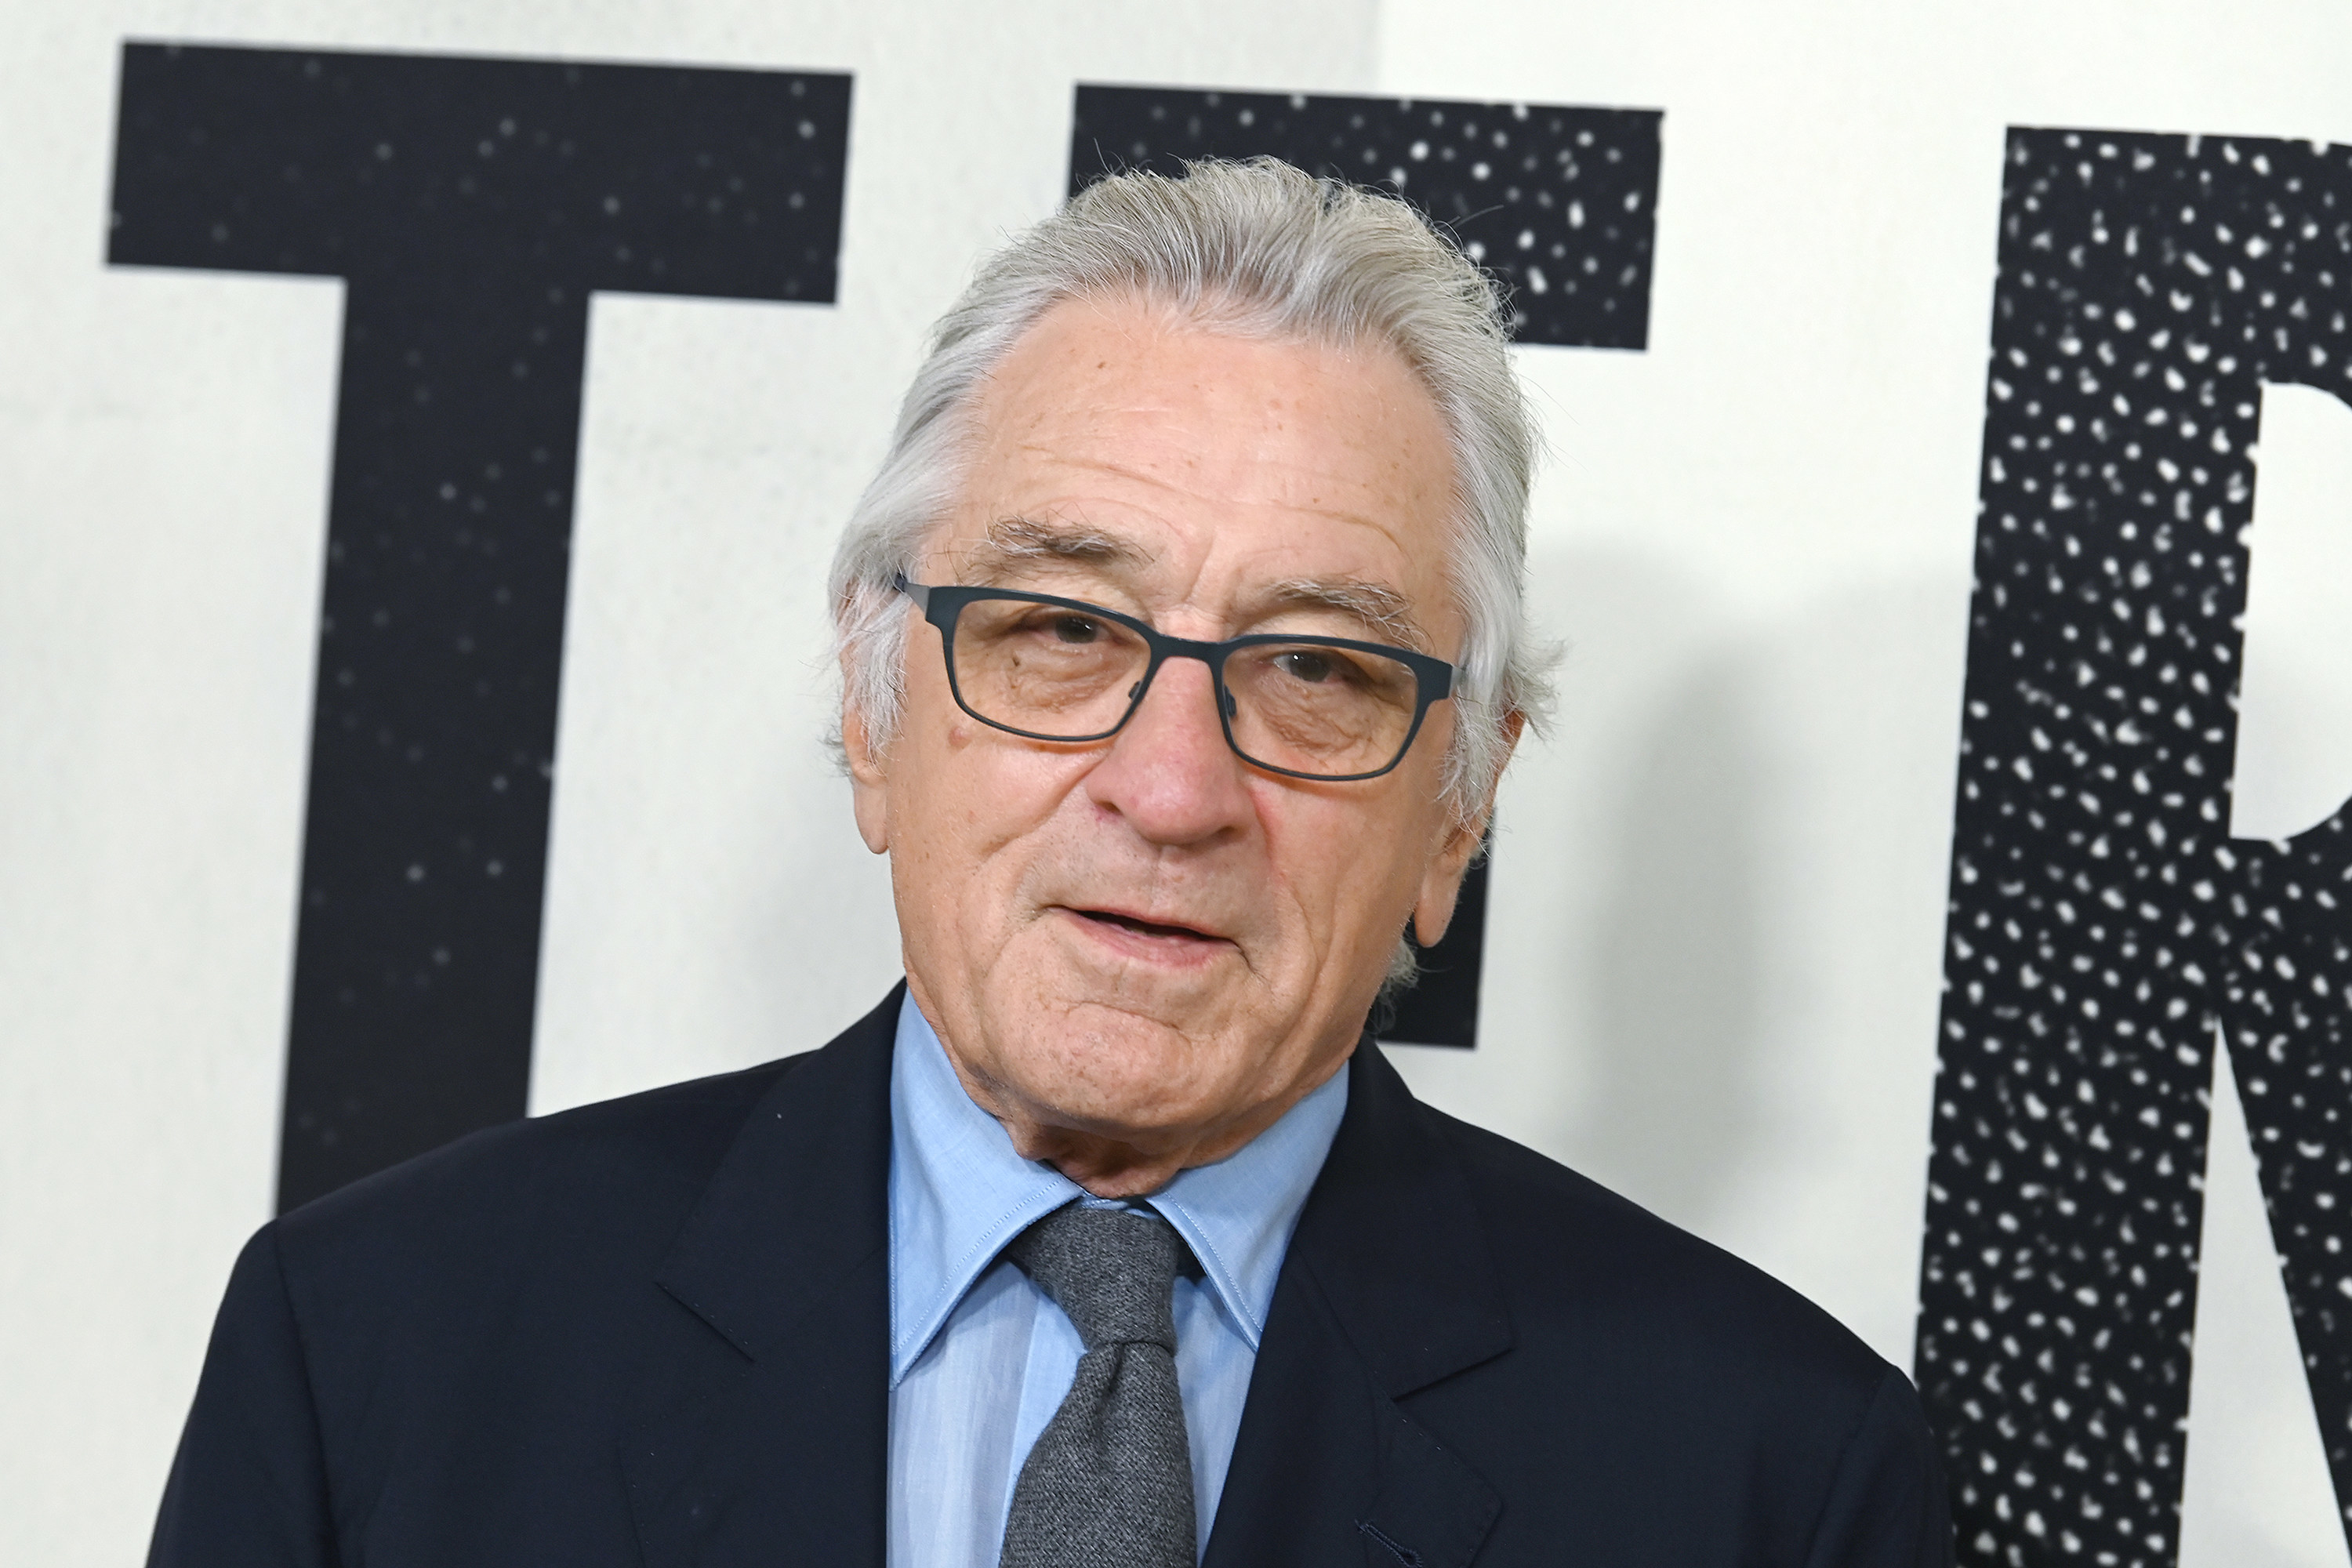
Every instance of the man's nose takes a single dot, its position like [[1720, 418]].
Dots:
[[1168, 770]]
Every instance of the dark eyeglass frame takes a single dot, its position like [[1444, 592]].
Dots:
[[942, 606]]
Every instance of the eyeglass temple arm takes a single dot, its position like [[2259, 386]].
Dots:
[[919, 592]]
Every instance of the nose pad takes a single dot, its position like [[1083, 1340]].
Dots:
[[1225, 700]]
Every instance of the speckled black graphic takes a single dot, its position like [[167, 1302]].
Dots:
[[472, 206], [2103, 923], [1559, 204]]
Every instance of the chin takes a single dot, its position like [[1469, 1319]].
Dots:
[[1185, 1015], [1111, 1065]]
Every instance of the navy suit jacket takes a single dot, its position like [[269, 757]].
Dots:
[[654, 1332]]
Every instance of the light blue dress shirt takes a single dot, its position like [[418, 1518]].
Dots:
[[980, 1358]]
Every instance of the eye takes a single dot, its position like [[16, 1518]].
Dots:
[[1310, 666], [1076, 628]]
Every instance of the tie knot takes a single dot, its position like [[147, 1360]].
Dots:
[[1112, 1270]]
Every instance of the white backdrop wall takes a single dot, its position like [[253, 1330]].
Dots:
[[1713, 960]]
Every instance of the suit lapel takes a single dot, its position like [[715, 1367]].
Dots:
[[1388, 1287], [762, 1433]]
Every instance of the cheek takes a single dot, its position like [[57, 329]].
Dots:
[[972, 808], [1345, 866]]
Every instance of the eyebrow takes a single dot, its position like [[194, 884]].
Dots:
[[1380, 608], [1022, 538]]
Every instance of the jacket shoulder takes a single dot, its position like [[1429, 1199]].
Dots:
[[620, 1175], [1573, 1254], [1664, 1401]]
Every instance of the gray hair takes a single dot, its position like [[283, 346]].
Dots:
[[1260, 249]]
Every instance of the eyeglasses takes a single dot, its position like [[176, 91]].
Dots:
[[1049, 669]]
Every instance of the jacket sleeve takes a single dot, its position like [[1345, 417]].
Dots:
[[249, 1487], [1886, 1506]]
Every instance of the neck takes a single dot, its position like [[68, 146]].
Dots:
[[1124, 1164]]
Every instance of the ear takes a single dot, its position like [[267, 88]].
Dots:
[[1440, 884], [870, 785]]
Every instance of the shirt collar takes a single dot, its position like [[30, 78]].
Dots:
[[959, 1193]]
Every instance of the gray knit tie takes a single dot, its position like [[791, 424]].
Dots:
[[1109, 1484]]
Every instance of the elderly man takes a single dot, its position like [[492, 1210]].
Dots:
[[1183, 647]]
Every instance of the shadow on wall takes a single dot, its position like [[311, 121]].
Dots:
[[1677, 966], [1713, 968], [1625, 1004]]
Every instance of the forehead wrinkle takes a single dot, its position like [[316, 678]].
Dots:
[[1167, 478]]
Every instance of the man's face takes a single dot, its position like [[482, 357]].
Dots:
[[1145, 938]]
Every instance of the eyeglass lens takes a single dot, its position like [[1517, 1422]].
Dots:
[[1057, 672]]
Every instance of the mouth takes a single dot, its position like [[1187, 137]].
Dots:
[[1136, 935]]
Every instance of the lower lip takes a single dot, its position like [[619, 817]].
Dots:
[[1149, 947]]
